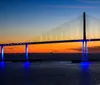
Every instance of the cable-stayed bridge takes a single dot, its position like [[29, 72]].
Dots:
[[83, 29]]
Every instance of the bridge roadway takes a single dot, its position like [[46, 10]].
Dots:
[[48, 42], [43, 42]]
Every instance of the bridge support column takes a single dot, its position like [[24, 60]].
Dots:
[[2, 53], [26, 51], [84, 51], [86, 47]]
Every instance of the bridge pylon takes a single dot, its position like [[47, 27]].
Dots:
[[84, 43]]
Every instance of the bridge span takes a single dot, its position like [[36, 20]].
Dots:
[[49, 42], [84, 41]]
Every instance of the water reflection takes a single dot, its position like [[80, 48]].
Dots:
[[2, 64], [85, 78], [27, 65]]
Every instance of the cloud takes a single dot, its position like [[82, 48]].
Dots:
[[90, 1], [69, 6], [94, 49]]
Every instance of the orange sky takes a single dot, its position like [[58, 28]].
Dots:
[[55, 48], [42, 20], [62, 47]]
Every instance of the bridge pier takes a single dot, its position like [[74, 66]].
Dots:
[[86, 47], [26, 48], [2, 53], [84, 51]]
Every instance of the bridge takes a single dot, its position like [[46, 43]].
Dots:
[[43, 39]]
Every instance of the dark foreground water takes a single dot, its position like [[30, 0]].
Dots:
[[49, 73], [50, 57]]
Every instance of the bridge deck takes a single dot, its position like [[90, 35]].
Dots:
[[48, 42]]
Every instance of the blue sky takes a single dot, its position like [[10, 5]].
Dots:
[[23, 19]]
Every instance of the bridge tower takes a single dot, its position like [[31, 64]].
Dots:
[[84, 43]]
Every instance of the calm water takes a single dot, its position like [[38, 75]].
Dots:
[[49, 73]]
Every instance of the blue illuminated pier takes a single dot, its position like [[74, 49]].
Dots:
[[2, 52], [84, 51], [27, 52]]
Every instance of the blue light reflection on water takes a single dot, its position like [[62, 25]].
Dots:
[[2, 64], [85, 65], [85, 78], [26, 70], [27, 65]]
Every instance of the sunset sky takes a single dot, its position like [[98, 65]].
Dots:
[[23, 20]]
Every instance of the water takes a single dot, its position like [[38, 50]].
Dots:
[[49, 73], [51, 56]]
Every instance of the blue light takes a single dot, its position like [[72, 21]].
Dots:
[[27, 65], [85, 77], [84, 51], [85, 66], [27, 52], [2, 64], [2, 52]]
